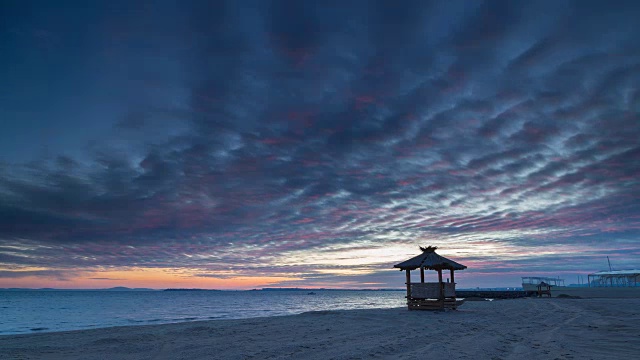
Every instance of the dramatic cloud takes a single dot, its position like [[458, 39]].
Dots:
[[319, 143]]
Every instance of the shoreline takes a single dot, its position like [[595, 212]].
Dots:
[[519, 328]]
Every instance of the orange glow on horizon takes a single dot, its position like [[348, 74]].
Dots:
[[142, 278]]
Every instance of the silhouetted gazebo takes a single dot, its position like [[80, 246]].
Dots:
[[430, 295]]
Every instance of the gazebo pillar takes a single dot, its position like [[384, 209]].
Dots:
[[440, 283], [408, 284], [422, 275], [452, 279]]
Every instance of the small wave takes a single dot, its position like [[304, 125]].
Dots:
[[183, 319], [39, 329]]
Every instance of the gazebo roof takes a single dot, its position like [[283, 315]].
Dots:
[[429, 260]]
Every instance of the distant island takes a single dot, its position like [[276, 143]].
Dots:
[[191, 290], [123, 288]]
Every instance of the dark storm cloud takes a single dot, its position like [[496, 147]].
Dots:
[[268, 128]]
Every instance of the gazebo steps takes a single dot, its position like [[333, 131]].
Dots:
[[433, 304]]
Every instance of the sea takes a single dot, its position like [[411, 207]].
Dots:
[[36, 311]]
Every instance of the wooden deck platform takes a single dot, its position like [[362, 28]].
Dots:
[[433, 304]]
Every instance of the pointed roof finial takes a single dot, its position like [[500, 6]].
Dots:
[[428, 249]]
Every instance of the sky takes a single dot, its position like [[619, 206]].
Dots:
[[249, 144]]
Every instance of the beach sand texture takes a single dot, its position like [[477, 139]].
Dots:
[[527, 328]]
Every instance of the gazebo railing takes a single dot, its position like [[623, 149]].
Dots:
[[431, 290]]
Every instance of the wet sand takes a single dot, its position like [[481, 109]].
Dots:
[[527, 328]]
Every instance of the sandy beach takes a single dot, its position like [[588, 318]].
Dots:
[[506, 329]]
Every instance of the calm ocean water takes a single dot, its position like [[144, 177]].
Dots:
[[43, 311]]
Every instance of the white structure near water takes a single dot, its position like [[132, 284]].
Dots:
[[602, 284]]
